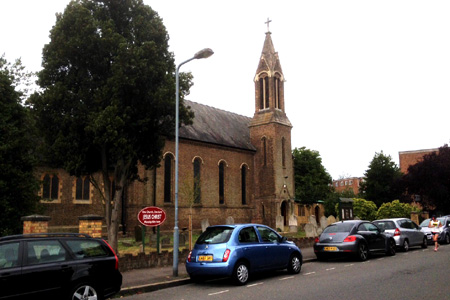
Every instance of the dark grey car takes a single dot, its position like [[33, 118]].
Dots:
[[406, 233]]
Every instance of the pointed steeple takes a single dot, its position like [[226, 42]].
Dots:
[[269, 61]]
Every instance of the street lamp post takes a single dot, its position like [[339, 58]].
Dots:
[[205, 53]]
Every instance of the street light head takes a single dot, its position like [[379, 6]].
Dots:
[[205, 53]]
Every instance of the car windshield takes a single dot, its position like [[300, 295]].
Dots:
[[425, 223], [215, 235], [339, 227]]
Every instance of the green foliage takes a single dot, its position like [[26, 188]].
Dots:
[[312, 181], [394, 209], [430, 178], [364, 209], [381, 182], [18, 186], [108, 98]]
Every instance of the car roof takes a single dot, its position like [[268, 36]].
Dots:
[[43, 236], [391, 219]]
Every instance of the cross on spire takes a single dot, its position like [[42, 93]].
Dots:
[[267, 22]]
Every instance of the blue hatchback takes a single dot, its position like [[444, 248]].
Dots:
[[238, 250]]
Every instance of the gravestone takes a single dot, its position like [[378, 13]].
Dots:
[[205, 224], [230, 220], [182, 239], [165, 242], [331, 219], [323, 222], [310, 230], [312, 220], [138, 233]]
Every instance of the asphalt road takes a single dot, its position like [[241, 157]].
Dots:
[[417, 274]]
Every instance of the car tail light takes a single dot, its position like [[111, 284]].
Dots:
[[226, 255], [316, 240], [189, 256], [115, 255], [397, 232], [350, 238]]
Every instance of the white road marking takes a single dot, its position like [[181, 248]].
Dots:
[[255, 284], [221, 292], [348, 265], [310, 273], [287, 278], [330, 269]]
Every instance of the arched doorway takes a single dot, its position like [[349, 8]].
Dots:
[[284, 212], [316, 213]]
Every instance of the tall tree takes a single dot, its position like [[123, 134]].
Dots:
[[430, 178], [312, 181], [108, 84], [381, 180], [18, 185]]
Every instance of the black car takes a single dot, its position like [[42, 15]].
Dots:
[[57, 266], [353, 237]]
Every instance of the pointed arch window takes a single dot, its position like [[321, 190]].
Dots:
[[197, 181], [244, 184], [277, 92], [50, 187], [264, 92], [264, 150], [168, 163], [82, 188], [221, 182]]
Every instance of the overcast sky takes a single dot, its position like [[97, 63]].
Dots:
[[361, 76]]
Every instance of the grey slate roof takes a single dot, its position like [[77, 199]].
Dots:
[[216, 126]]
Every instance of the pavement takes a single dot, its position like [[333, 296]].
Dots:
[[152, 279]]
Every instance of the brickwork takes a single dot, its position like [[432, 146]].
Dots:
[[409, 158], [91, 225], [35, 224]]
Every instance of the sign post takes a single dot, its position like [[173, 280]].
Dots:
[[152, 216]]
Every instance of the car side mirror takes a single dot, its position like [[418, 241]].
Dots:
[[283, 239]]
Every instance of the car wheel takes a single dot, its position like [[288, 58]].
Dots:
[[240, 274], [405, 246], [391, 248], [447, 239], [424, 243], [363, 251], [85, 292], [295, 264]]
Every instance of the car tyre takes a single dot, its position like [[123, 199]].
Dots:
[[405, 246], [424, 243], [447, 239], [85, 291], [391, 248], [363, 251], [295, 264], [241, 273]]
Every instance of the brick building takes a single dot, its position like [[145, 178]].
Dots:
[[229, 166], [345, 184], [409, 158]]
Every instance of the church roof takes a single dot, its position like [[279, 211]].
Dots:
[[216, 126]]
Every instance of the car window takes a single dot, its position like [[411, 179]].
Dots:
[[9, 255], [372, 227], [386, 225], [425, 223], [215, 235], [248, 235], [268, 235], [87, 248], [45, 251], [414, 225], [406, 224], [339, 227]]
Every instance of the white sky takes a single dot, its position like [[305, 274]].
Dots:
[[361, 76]]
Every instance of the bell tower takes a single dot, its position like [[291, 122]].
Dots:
[[270, 133]]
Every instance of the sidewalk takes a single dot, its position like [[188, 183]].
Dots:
[[152, 279]]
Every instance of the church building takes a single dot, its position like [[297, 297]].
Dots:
[[231, 167]]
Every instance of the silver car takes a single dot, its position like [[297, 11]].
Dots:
[[406, 233]]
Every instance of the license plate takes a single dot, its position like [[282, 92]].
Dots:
[[429, 237], [205, 258], [330, 248]]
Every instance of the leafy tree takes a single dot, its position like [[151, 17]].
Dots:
[[18, 185], [394, 209], [108, 84], [364, 209], [312, 181], [381, 182], [430, 178]]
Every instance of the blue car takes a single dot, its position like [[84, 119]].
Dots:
[[237, 251]]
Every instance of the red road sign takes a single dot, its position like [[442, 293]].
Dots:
[[151, 216]]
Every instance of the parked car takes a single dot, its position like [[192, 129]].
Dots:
[[444, 236], [237, 251], [57, 266], [406, 233], [353, 237]]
